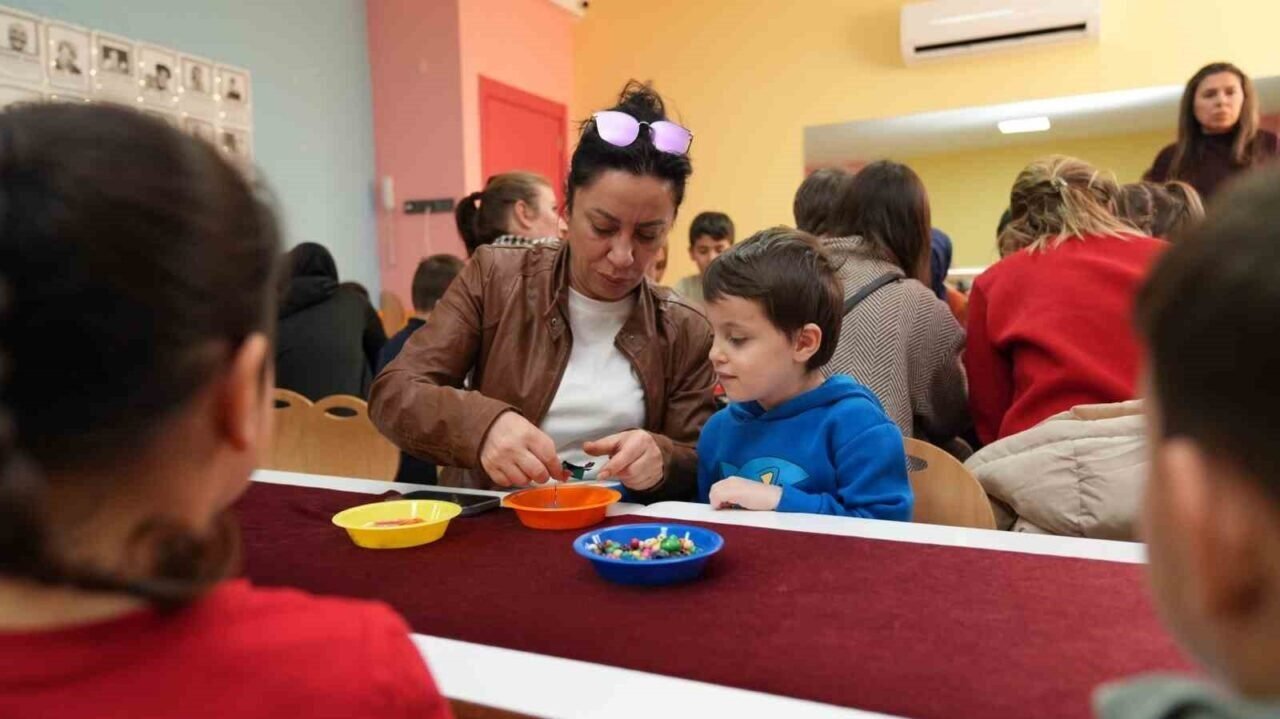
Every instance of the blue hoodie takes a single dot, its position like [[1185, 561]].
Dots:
[[832, 449]]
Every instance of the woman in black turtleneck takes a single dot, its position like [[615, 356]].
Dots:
[[1218, 133]]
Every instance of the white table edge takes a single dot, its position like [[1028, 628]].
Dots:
[[518, 681], [989, 539]]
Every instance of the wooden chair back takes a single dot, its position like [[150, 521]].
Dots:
[[391, 311], [945, 491], [342, 441], [287, 450]]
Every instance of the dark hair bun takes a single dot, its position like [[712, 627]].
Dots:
[[593, 156], [639, 100]]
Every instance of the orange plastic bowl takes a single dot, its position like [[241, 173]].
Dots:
[[576, 507]]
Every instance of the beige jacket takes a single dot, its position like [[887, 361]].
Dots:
[[1078, 473]]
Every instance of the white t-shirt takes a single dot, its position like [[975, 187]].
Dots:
[[600, 393]]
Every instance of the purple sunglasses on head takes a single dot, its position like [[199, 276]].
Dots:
[[620, 130]]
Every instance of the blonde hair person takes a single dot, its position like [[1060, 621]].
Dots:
[[1060, 198], [514, 208], [1049, 324]]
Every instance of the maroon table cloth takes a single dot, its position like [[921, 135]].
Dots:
[[909, 629]]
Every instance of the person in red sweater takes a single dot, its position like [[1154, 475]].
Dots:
[[1050, 323], [137, 289]]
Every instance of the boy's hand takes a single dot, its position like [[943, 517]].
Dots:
[[634, 458], [745, 493]]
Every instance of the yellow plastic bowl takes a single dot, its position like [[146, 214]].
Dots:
[[358, 520]]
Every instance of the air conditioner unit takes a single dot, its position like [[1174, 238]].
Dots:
[[941, 28]]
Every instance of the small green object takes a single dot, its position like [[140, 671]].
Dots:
[[576, 472], [671, 544]]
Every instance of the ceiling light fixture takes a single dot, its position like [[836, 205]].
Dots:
[[1024, 124]]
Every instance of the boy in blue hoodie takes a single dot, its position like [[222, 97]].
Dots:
[[791, 441]]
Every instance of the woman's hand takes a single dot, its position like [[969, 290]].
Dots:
[[516, 453], [634, 458], [734, 492]]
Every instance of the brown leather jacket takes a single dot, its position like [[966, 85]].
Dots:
[[505, 322]]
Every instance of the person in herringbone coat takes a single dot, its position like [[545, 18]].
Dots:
[[898, 338]]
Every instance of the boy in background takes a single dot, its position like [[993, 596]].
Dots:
[[710, 235], [1211, 514], [430, 280], [791, 441]]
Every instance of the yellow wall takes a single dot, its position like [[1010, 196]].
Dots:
[[969, 190], [747, 76]]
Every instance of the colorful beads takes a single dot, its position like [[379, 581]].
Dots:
[[663, 546]]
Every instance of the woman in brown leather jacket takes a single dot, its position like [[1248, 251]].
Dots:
[[571, 353]]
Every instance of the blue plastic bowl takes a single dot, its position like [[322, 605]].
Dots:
[[650, 572]]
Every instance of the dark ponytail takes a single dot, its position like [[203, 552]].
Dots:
[[465, 217], [484, 216], [136, 261]]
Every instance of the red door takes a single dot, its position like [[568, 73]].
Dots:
[[519, 131]]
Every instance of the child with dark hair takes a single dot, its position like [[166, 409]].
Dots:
[[1211, 514], [816, 200], [710, 235], [516, 209], [430, 280], [136, 316], [791, 441]]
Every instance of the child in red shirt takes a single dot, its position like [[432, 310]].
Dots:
[[1050, 324], [137, 270]]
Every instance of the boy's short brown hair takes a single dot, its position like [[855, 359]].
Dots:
[[715, 225], [1208, 315], [792, 278], [816, 200], [432, 278]]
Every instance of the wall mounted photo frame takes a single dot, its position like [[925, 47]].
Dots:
[[21, 49], [158, 70], [197, 90], [70, 54], [50, 60], [236, 142], [200, 128], [235, 96], [115, 68]]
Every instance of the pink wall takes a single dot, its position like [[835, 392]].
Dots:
[[527, 44], [415, 59], [426, 59]]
